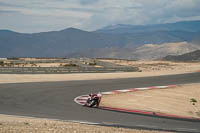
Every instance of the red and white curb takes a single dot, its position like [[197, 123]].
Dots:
[[83, 98]]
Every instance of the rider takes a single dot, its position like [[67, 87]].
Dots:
[[98, 96], [91, 96]]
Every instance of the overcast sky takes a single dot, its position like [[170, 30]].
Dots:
[[47, 15]]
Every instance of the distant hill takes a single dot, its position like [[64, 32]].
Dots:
[[51, 44], [192, 56], [73, 42], [187, 26], [147, 51]]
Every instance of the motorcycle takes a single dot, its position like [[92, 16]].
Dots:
[[92, 102]]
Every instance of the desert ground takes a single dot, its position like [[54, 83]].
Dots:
[[148, 68], [183, 100], [162, 67], [16, 124]]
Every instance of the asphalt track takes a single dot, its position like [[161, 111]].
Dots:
[[55, 100]]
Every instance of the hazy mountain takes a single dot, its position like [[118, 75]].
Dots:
[[188, 26], [55, 43], [73, 42], [192, 56], [155, 51], [148, 51]]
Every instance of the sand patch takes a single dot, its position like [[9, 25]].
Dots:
[[160, 66], [178, 101]]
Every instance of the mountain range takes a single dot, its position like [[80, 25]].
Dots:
[[73, 42], [144, 52], [187, 26]]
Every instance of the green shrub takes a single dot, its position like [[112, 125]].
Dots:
[[92, 63], [26, 123], [70, 65], [193, 101], [1, 63]]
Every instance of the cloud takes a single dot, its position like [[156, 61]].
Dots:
[[23, 23], [145, 12], [7, 12], [94, 14]]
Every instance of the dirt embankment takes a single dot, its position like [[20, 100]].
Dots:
[[183, 100]]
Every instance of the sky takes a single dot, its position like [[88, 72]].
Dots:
[[30, 16]]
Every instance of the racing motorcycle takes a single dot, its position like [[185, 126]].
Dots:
[[93, 101]]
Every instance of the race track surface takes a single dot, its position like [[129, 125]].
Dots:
[[55, 100]]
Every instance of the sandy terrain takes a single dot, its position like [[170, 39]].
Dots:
[[13, 124], [160, 66], [175, 101], [149, 68]]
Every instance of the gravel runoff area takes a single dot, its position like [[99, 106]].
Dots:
[[183, 100], [16, 124], [149, 68]]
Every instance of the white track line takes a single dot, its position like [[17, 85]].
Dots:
[[81, 99]]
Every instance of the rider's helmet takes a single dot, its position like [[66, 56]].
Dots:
[[99, 94], [91, 95]]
